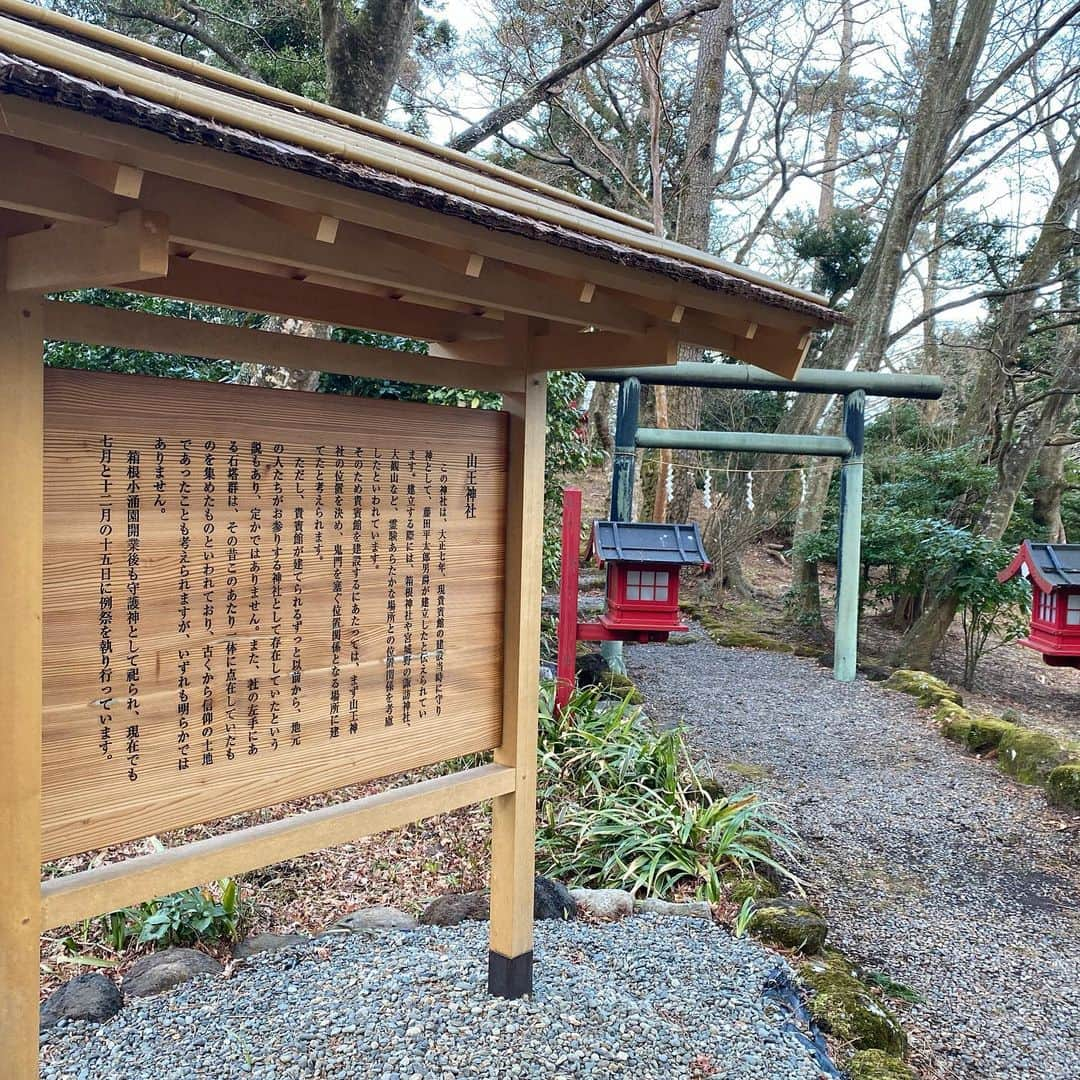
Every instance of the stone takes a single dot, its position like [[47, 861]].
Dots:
[[877, 1065], [980, 734], [591, 667], [1063, 785], [161, 971], [740, 637], [373, 918], [793, 924], [1030, 756], [254, 944], [691, 909], [927, 690], [92, 997], [455, 908], [606, 904], [551, 900], [845, 1007], [751, 888]]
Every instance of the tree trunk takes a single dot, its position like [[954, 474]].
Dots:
[[695, 213], [1046, 511], [364, 49]]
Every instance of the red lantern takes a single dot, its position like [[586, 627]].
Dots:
[[1054, 573]]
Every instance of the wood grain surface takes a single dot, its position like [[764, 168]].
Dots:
[[121, 757]]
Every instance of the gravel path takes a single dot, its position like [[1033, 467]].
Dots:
[[930, 865], [650, 997]]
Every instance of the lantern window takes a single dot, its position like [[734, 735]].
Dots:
[[647, 585], [1072, 610], [1047, 606]]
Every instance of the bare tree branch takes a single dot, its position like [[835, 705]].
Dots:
[[520, 107], [191, 30]]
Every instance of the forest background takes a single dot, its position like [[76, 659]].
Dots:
[[918, 164]]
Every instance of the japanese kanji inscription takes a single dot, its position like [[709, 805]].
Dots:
[[253, 596]]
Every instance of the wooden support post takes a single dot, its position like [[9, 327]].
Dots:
[[21, 442], [514, 815], [849, 555]]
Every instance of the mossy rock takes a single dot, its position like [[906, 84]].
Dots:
[[792, 924], [1030, 756], [979, 734], [751, 888], [683, 639], [949, 711], [619, 686], [877, 1065], [927, 689], [739, 637], [848, 1009], [1063, 785]]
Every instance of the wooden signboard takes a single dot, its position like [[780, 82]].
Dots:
[[252, 596]]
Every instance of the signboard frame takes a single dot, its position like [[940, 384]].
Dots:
[[508, 782]]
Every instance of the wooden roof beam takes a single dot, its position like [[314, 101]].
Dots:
[[314, 225], [205, 283], [558, 350], [209, 220], [92, 325], [76, 256], [111, 176]]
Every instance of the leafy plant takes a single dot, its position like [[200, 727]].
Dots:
[[181, 918], [742, 919], [623, 806]]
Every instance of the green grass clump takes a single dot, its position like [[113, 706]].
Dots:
[[622, 807]]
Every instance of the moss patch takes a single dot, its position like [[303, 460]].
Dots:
[[757, 889], [619, 686], [927, 689], [741, 637], [791, 924], [848, 1009], [877, 1065], [1063, 785], [1030, 756], [744, 769], [979, 734]]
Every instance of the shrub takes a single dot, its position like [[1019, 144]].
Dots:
[[621, 806], [181, 918]]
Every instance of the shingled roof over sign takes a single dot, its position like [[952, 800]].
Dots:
[[371, 158]]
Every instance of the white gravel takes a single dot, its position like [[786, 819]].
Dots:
[[650, 998], [930, 865]]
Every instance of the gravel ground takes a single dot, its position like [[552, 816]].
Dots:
[[650, 997], [930, 865]]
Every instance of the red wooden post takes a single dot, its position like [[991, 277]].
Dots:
[[568, 597]]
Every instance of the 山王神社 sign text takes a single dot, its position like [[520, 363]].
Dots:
[[252, 596]]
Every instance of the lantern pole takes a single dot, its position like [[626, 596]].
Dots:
[[849, 547], [622, 485]]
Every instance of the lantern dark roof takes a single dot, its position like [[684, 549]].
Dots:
[[1050, 566], [648, 542]]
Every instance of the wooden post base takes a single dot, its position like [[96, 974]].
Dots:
[[510, 976]]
